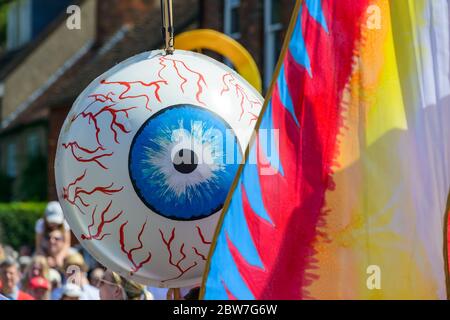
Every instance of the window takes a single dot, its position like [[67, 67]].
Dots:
[[231, 18], [273, 42], [33, 145], [232, 25], [18, 24], [11, 160]]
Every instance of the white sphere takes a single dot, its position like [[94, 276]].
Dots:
[[123, 175]]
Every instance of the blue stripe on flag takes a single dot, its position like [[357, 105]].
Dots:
[[227, 272], [285, 96], [250, 180], [316, 11], [297, 46], [235, 225]]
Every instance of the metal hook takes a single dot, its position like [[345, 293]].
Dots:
[[167, 26]]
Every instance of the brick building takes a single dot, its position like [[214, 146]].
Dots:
[[36, 56], [43, 79], [259, 25], [40, 80], [131, 31]]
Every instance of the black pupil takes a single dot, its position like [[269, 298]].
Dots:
[[185, 161]]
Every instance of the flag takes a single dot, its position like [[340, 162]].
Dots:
[[346, 184]]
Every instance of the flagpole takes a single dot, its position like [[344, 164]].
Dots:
[[446, 248]]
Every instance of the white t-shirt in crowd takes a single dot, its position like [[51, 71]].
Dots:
[[39, 227]]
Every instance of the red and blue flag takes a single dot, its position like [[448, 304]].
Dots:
[[346, 184]]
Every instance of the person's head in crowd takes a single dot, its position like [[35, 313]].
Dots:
[[75, 263], [40, 288], [55, 278], [24, 262], [75, 259], [56, 248], [71, 291], [25, 251], [95, 276], [76, 272], [53, 220], [38, 267], [10, 277], [9, 252], [116, 287], [53, 216], [56, 242]]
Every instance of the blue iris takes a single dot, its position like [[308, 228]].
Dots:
[[182, 162]]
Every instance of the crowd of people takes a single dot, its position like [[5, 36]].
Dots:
[[58, 271]]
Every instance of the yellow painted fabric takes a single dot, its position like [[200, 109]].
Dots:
[[386, 217]]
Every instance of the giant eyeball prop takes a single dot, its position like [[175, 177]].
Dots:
[[146, 158]]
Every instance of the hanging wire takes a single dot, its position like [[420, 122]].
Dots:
[[167, 25]]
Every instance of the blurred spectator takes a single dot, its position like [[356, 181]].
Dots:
[[53, 220], [37, 268], [24, 262], [40, 288], [71, 291], [76, 272], [9, 252], [57, 250], [96, 276], [25, 251], [2, 253], [10, 277], [55, 281], [89, 292], [115, 287], [88, 259]]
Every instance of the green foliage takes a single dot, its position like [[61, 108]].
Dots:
[[5, 2], [17, 221], [33, 186]]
